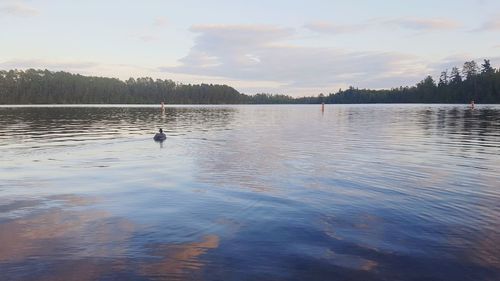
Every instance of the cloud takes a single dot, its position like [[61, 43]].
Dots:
[[43, 64], [160, 22], [152, 32], [419, 24], [148, 38], [116, 70], [490, 25], [262, 53], [423, 24], [250, 34], [18, 9], [458, 60], [331, 28]]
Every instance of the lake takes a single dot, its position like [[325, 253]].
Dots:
[[250, 192]]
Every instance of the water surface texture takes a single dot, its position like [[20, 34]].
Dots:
[[359, 192]]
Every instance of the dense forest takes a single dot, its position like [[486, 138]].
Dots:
[[47, 87], [472, 82]]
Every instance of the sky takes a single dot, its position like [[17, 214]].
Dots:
[[297, 48]]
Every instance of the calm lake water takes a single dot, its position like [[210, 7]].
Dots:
[[359, 192]]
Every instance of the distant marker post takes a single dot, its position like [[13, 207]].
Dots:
[[322, 107]]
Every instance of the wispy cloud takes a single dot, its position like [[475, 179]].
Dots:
[[160, 22], [43, 64], [416, 24], [332, 28], [255, 52], [458, 60], [85, 67], [423, 24], [148, 38], [490, 25], [151, 32], [18, 9], [251, 34]]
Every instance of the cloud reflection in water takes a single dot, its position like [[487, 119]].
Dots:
[[76, 241]]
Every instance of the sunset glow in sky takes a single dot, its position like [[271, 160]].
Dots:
[[289, 47]]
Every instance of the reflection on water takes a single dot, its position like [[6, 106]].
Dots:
[[175, 260], [378, 192], [79, 236]]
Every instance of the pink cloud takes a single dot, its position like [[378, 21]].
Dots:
[[18, 9], [424, 24]]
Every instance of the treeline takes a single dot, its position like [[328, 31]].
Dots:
[[47, 87], [471, 82]]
